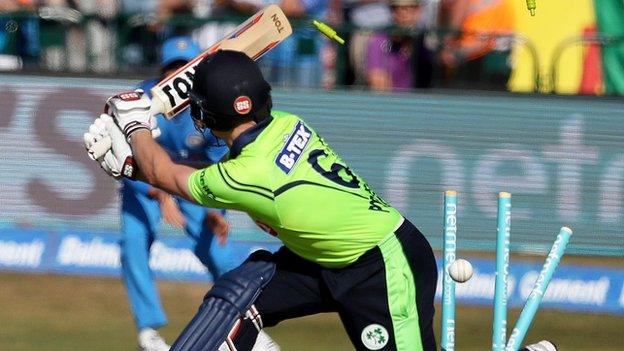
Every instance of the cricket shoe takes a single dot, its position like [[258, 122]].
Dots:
[[543, 345], [150, 340], [265, 343]]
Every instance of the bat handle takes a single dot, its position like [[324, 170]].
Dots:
[[101, 147], [158, 105]]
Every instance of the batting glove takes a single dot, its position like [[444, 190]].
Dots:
[[97, 132], [131, 112], [118, 161]]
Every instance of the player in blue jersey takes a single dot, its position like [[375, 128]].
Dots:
[[143, 206]]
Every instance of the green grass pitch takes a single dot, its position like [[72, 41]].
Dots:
[[53, 312]]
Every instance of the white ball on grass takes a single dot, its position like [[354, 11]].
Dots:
[[460, 270]]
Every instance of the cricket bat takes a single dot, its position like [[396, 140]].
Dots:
[[255, 37]]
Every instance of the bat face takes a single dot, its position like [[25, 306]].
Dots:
[[255, 37]]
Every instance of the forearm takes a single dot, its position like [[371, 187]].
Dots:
[[157, 168]]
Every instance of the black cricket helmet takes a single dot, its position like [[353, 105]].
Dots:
[[228, 89]]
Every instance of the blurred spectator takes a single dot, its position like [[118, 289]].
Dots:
[[100, 33], [209, 32], [429, 18], [296, 61], [168, 8], [373, 14], [19, 36], [78, 34], [399, 61], [17, 5], [366, 16], [213, 31], [150, 23], [139, 35], [154, 21], [143, 6], [480, 52]]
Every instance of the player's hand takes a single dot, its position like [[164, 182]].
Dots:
[[97, 132], [120, 148], [117, 161], [131, 112], [170, 210], [217, 223]]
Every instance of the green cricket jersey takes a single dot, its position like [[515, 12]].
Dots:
[[295, 187]]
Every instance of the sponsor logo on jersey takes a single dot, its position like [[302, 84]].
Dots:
[[374, 336], [293, 148], [204, 186]]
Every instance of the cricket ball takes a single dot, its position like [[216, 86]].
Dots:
[[460, 270]]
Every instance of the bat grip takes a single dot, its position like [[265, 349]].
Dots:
[[158, 105]]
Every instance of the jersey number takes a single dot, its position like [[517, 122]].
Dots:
[[334, 173]]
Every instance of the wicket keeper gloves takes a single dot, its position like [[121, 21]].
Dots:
[[117, 161], [131, 112]]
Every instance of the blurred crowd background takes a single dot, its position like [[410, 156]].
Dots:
[[392, 45]]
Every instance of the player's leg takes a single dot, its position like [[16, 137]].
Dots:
[[387, 299], [218, 258], [543, 345], [424, 269], [364, 304], [280, 286], [296, 290], [139, 215]]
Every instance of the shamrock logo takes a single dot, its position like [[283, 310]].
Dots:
[[374, 337]]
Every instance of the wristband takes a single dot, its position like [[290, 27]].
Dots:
[[133, 127]]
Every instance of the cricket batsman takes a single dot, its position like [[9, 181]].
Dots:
[[345, 249], [143, 206]]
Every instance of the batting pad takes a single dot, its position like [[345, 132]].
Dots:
[[230, 299]]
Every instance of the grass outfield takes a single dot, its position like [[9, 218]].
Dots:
[[51, 312]]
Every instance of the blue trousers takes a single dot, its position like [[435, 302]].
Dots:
[[140, 219]]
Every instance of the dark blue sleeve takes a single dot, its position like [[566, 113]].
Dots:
[[215, 148]]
